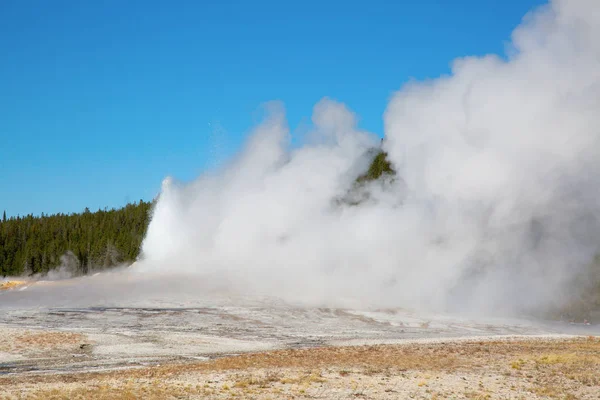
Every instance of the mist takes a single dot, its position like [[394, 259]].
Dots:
[[494, 206]]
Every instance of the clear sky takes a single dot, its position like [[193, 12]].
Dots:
[[100, 100]]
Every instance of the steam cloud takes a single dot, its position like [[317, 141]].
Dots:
[[495, 205]]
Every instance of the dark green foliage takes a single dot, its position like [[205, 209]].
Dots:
[[31, 245], [379, 169], [380, 166]]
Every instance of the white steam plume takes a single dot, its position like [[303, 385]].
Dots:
[[495, 206]]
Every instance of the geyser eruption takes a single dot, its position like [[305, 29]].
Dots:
[[494, 205]]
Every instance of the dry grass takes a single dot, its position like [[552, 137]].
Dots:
[[11, 284], [261, 381], [527, 369], [35, 341]]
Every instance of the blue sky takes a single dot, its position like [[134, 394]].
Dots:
[[100, 100]]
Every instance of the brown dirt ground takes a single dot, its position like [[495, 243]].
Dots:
[[491, 369]]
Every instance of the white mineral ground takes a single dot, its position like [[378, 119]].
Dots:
[[119, 320]]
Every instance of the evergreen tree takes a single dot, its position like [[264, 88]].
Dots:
[[84, 241]]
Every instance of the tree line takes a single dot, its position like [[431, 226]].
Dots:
[[89, 241], [82, 242]]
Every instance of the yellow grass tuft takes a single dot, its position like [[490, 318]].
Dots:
[[6, 285]]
